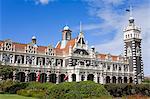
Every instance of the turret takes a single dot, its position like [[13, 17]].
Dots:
[[33, 40], [66, 36], [66, 33]]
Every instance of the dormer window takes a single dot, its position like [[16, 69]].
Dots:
[[50, 51], [31, 49], [8, 45]]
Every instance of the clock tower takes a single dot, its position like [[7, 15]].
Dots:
[[132, 50]]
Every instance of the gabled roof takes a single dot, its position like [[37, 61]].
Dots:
[[41, 49], [101, 56], [19, 46], [66, 49], [104, 57]]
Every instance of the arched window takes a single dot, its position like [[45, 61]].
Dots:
[[119, 68], [82, 77], [129, 52], [108, 67]]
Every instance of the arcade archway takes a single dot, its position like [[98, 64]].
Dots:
[[113, 79], [20, 76], [43, 77], [119, 79], [125, 79], [90, 77], [73, 77], [61, 78], [107, 79], [32, 77], [52, 78]]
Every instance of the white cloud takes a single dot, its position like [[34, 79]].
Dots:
[[104, 10], [43, 2], [115, 2]]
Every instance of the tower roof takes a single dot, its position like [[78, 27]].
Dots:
[[66, 27], [33, 37]]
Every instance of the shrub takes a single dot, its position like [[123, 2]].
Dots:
[[35, 89], [77, 90], [18, 86], [6, 84], [31, 93], [119, 90], [38, 85]]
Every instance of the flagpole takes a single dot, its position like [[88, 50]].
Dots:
[[131, 12]]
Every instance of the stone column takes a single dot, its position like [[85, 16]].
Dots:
[[57, 78], [104, 79], [101, 78], [35, 58], [122, 79], [14, 75], [47, 80], [13, 58], [95, 77], [25, 59], [128, 80], [85, 77], [116, 79], [110, 79], [78, 77], [69, 77], [1, 57], [26, 77], [63, 64], [37, 74]]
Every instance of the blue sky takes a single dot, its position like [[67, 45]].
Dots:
[[103, 22], [24, 18]]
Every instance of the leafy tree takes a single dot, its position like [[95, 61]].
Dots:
[[146, 80], [6, 71]]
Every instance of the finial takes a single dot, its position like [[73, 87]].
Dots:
[[131, 19], [80, 26], [131, 10]]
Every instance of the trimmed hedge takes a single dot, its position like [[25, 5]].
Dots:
[[119, 90]]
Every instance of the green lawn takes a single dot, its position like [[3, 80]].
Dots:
[[13, 96]]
